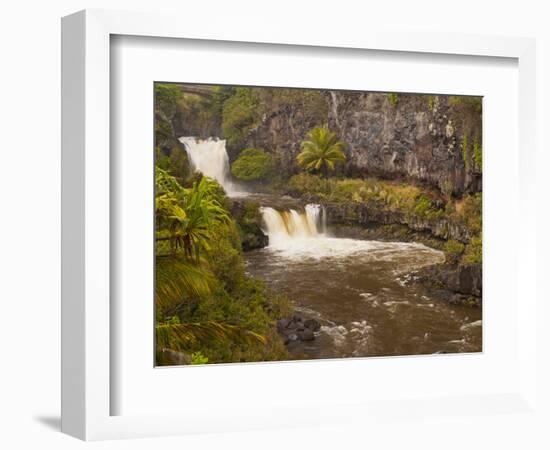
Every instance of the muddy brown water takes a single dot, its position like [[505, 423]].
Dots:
[[365, 296]]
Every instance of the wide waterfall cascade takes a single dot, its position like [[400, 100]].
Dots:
[[282, 226], [296, 235], [209, 156]]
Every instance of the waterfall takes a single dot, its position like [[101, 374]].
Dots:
[[209, 156], [282, 226], [317, 218]]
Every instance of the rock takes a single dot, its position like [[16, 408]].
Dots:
[[458, 284], [306, 335], [415, 139], [292, 325], [168, 357], [367, 214], [312, 324], [297, 328], [292, 337], [282, 324]]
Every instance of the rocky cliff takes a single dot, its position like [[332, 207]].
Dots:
[[431, 139]]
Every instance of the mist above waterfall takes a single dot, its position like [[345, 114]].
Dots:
[[209, 156]]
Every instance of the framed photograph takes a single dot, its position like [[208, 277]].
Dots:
[[266, 228]]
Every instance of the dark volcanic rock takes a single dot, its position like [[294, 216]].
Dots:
[[282, 324], [306, 335], [367, 213], [249, 219], [297, 328], [312, 324], [418, 138], [463, 283]]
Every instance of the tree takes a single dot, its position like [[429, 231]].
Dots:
[[321, 151], [185, 217]]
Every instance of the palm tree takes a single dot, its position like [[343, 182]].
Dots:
[[186, 217], [185, 220], [322, 151]]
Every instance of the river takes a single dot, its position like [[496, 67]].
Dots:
[[362, 292]]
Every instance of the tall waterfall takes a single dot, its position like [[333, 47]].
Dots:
[[209, 156], [282, 226]]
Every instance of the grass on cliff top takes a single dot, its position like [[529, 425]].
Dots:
[[421, 202]]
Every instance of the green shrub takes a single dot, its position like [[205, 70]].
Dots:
[[478, 155], [347, 189], [423, 206], [467, 101], [253, 164], [198, 358], [308, 184], [471, 213], [393, 99], [453, 250], [473, 253]]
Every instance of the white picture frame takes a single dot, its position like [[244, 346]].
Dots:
[[87, 385]]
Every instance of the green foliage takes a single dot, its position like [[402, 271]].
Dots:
[[205, 303], [178, 280], [310, 102], [167, 97], [423, 206], [253, 164], [474, 251], [321, 151], [471, 212], [163, 130], [393, 196], [182, 336], [186, 217], [466, 101], [175, 162], [393, 98], [240, 115], [453, 250], [308, 184], [198, 358], [478, 155]]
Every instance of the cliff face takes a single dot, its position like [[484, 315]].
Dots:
[[432, 139]]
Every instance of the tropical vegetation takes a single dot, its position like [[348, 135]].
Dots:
[[212, 311], [321, 151], [253, 164]]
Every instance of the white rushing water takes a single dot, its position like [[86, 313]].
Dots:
[[209, 156], [299, 235]]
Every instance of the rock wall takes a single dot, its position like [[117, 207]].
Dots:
[[366, 213], [414, 137]]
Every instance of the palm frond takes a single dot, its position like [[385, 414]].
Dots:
[[178, 280], [181, 336]]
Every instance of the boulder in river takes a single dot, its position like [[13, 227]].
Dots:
[[297, 328], [312, 324], [306, 335]]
